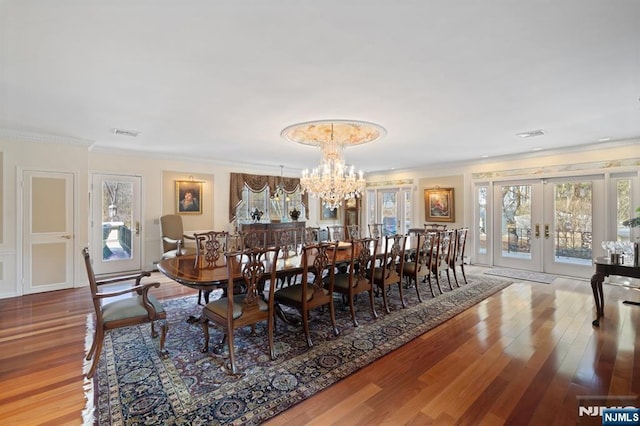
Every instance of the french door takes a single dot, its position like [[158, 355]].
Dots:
[[392, 207], [115, 223], [548, 225]]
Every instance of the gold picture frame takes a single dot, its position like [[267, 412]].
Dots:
[[439, 205], [188, 197]]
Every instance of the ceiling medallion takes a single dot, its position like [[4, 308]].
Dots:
[[332, 181]]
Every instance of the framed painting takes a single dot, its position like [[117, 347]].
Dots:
[[438, 205], [328, 214], [188, 197]]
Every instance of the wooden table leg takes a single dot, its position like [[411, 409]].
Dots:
[[598, 296]]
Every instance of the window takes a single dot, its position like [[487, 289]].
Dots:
[[273, 196], [624, 209], [393, 207], [273, 208], [481, 215]]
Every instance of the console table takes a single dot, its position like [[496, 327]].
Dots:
[[604, 268], [272, 226]]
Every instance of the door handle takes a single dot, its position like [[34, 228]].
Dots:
[[67, 237], [546, 231], [137, 228], [537, 232]]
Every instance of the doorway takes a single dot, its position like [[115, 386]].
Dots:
[[548, 225], [115, 223], [48, 235]]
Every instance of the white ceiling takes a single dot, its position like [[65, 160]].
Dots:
[[451, 81]]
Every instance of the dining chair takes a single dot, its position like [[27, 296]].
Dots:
[[375, 230], [314, 291], [358, 277], [390, 269], [435, 227], [255, 238], [173, 237], [336, 233], [414, 269], [353, 232], [140, 308], [210, 245], [457, 259], [311, 235], [287, 240], [445, 252], [416, 231], [233, 311]]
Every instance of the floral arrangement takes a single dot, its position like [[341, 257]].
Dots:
[[634, 221], [295, 214], [256, 214]]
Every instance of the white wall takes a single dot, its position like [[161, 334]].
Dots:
[[158, 190], [24, 155], [611, 158]]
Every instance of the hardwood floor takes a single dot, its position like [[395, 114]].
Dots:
[[520, 357]]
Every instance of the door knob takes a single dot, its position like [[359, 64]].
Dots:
[[537, 232], [67, 237], [546, 231], [137, 228]]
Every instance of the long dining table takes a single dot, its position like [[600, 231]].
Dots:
[[195, 272]]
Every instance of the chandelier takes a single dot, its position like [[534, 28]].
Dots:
[[333, 181], [279, 191]]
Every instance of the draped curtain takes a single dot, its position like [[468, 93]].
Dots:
[[258, 183]]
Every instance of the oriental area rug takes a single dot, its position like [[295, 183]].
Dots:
[[135, 385]]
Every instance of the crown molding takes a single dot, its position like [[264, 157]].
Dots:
[[515, 156], [23, 136]]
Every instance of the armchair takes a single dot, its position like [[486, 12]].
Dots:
[[140, 308], [173, 237]]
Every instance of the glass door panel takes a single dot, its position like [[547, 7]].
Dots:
[[116, 212], [389, 203], [572, 224], [482, 219], [516, 243], [549, 225]]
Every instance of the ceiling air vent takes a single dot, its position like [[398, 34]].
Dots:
[[531, 133], [123, 132]]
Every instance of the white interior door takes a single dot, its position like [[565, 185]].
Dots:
[[48, 238], [115, 223]]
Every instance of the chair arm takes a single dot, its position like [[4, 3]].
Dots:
[[174, 241], [140, 289], [170, 240], [120, 278]]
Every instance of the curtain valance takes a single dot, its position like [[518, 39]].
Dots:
[[258, 183]]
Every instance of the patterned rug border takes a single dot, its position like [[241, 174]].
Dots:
[[188, 407], [518, 274]]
